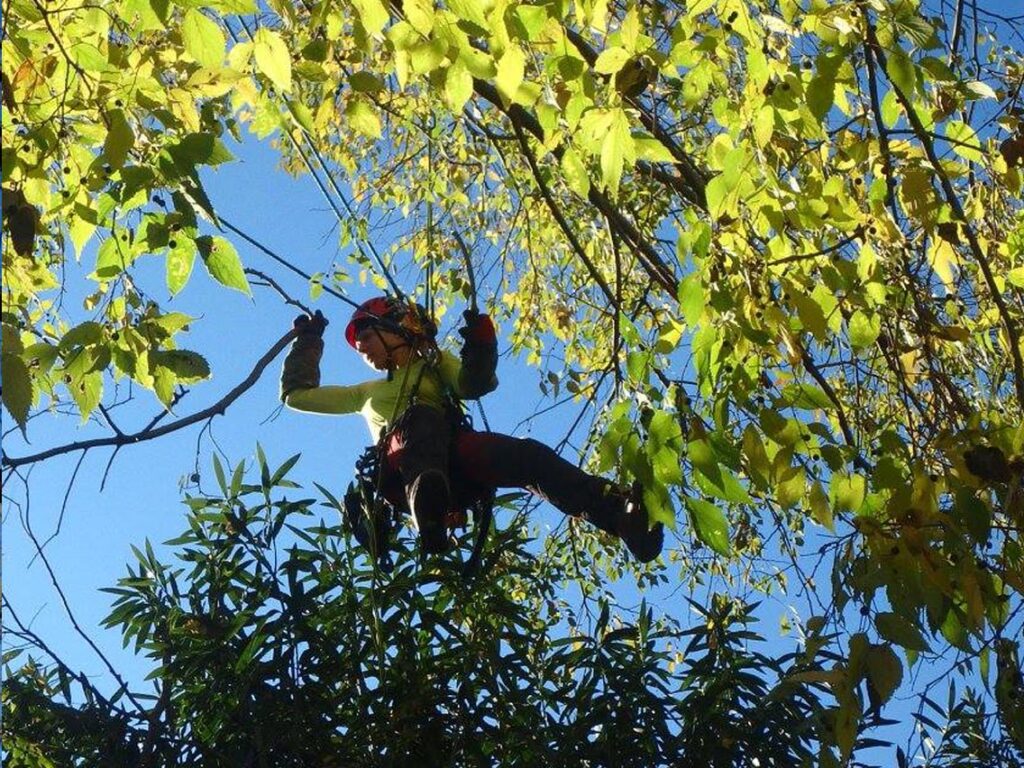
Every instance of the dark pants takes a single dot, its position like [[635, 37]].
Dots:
[[479, 462]]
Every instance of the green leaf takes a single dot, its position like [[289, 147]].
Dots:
[[473, 11], [420, 14], [362, 116], [17, 387], [199, 149], [86, 391], [821, 94], [864, 329], [811, 315], [817, 500], [1016, 277], [113, 257], [372, 14], [180, 260], [203, 39], [221, 261], [82, 335], [458, 85], [617, 144], [898, 629], [900, 69], [187, 366], [120, 138], [790, 484], [273, 59], [964, 141], [611, 60], [365, 82], [848, 492], [511, 69], [710, 524], [691, 298], [574, 172], [885, 672], [758, 466]]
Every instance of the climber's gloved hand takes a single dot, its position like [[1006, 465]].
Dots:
[[302, 364], [310, 325], [477, 328], [479, 355]]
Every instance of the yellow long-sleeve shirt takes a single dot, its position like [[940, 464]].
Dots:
[[382, 401]]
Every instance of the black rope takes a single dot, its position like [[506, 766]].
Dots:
[[467, 257], [282, 261]]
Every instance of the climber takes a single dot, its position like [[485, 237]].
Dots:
[[432, 462]]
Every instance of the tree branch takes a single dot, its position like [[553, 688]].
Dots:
[[649, 258], [150, 433], [1012, 334], [560, 217]]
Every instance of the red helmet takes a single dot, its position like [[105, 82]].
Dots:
[[390, 314]]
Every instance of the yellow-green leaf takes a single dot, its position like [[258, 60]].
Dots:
[[710, 524], [87, 391], [17, 387], [964, 141], [848, 492], [652, 150], [611, 60], [458, 85], [372, 14], [473, 11], [120, 138], [533, 19], [511, 69], [363, 117], [790, 484], [203, 39], [272, 58], [900, 69], [864, 329], [180, 260], [819, 506], [574, 172], [419, 13], [614, 150], [222, 262], [764, 125]]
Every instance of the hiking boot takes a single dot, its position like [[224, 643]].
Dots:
[[643, 540], [430, 502]]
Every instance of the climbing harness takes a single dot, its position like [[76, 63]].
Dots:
[[374, 502]]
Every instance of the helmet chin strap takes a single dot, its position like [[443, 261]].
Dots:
[[389, 361]]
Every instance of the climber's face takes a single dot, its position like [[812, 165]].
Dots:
[[382, 350]]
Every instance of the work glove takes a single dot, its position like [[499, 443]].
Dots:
[[302, 365], [310, 325], [479, 355], [477, 328]]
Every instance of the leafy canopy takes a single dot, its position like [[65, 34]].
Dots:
[[775, 246]]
